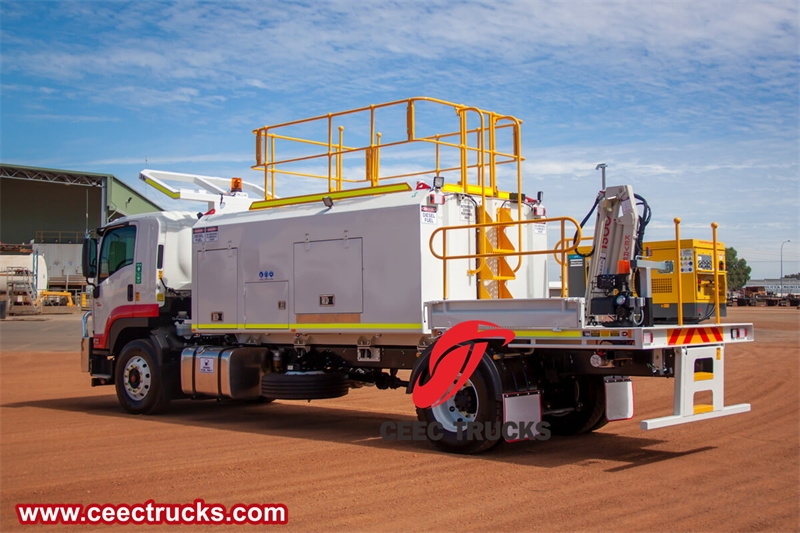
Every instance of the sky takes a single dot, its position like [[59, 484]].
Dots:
[[695, 104]]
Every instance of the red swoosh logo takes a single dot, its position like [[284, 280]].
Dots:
[[454, 358]]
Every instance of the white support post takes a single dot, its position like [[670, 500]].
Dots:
[[688, 383]]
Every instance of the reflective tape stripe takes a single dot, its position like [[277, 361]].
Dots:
[[172, 194], [337, 195], [547, 334], [694, 336], [351, 326]]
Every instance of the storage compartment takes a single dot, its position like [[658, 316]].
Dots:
[[218, 275], [329, 277], [265, 305]]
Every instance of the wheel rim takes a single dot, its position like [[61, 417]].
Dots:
[[137, 378], [461, 407]]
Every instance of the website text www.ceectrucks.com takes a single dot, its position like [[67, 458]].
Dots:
[[151, 513]]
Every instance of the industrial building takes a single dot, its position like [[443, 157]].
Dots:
[[46, 212], [773, 285]]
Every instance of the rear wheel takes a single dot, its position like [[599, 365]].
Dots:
[[139, 380], [473, 407], [585, 396]]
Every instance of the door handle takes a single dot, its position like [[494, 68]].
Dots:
[[130, 293]]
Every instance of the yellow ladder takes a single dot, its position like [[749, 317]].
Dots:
[[494, 272]]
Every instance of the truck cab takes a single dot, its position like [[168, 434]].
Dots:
[[138, 290]]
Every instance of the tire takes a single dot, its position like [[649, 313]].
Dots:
[[600, 423], [588, 399], [305, 386], [262, 400], [475, 402], [141, 388]]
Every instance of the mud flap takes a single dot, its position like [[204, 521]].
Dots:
[[619, 398], [698, 369], [522, 413]]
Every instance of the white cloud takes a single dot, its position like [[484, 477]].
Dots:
[[70, 118], [170, 160], [291, 45], [696, 104]]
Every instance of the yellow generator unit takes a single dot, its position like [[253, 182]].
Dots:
[[697, 279]]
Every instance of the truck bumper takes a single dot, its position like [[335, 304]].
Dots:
[[86, 342]]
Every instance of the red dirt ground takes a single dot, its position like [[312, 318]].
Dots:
[[62, 441]]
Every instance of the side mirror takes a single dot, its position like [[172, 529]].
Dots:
[[89, 258]]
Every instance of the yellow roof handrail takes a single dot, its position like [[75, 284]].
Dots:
[[477, 149]]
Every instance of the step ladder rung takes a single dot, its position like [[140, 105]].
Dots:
[[703, 408], [495, 241]]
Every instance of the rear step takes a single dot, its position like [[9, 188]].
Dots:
[[688, 382]]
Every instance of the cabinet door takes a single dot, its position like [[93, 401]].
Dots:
[[218, 284], [265, 305], [329, 277]]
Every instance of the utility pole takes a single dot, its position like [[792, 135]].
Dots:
[[784, 242]]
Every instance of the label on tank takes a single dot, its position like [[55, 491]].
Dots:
[[206, 365], [212, 234], [428, 214], [466, 211]]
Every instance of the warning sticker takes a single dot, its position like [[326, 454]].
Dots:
[[466, 211], [539, 229], [209, 234], [602, 263], [212, 234], [206, 365], [687, 260], [428, 214], [626, 206]]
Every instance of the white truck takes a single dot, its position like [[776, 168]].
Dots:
[[440, 289]]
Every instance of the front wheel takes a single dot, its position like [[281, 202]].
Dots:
[[139, 381], [470, 421]]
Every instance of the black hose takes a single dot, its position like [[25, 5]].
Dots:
[[711, 311], [644, 220], [583, 222]]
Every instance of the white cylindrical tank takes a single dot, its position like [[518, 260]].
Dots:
[[24, 262]]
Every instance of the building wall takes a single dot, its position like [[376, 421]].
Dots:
[[124, 201], [30, 206], [773, 285]]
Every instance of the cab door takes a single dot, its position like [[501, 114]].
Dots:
[[116, 279]]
